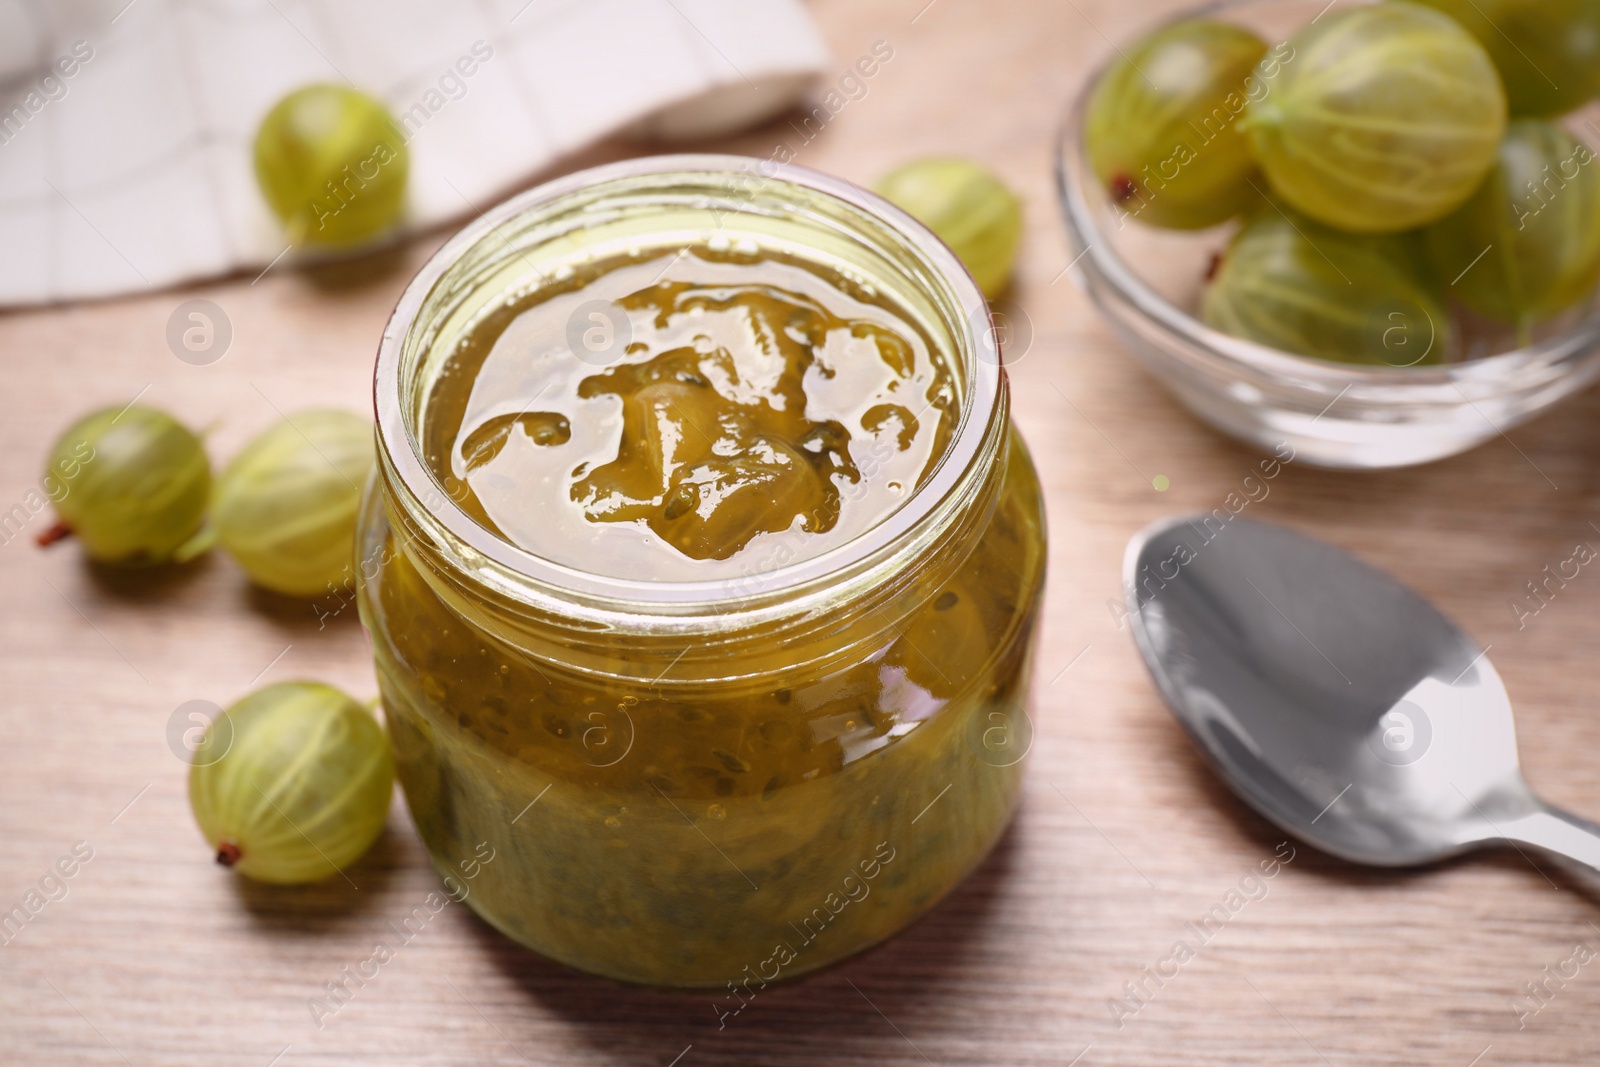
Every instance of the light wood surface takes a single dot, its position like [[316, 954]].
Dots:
[[155, 956]]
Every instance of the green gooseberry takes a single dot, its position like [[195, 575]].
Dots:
[[1547, 51], [301, 789], [285, 509], [131, 484], [332, 165], [1292, 284], [1527, 245], [1379, 119], [968, 208], [1161, 128]]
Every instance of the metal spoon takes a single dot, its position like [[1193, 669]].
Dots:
[[1335, 701]]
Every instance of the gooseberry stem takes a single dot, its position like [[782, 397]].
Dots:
[[59, 532], [228, 853]]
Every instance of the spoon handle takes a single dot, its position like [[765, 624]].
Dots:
[[1559, 833]]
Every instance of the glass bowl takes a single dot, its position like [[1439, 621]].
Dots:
[[1147, 283]]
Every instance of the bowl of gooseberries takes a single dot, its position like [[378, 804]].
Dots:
[[1369, 231]]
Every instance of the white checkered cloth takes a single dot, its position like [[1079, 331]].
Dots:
[[126, 128]]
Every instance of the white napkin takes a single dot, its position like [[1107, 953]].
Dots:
[[126, 128]]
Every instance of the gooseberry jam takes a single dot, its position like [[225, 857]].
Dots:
[[748, 394], [701, 567]]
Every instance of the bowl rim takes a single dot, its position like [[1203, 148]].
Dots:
[[1085, 236]]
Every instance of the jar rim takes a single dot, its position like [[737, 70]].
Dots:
[[509, 568]]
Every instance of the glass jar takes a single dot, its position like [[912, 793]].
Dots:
[[705, 783]]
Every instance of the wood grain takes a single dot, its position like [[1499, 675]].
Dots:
[[155, 956]]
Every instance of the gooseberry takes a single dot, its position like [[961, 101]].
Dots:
[[1527, 245], [1292, 284], [301, 791], [332, 165], [1381, 119], [968, 208], [286, 507], [1161, 127], [131, 484], [1547, 51]]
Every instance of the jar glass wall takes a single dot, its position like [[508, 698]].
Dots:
[[706, 782]]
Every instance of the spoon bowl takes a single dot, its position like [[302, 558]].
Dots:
[[1335, 701]]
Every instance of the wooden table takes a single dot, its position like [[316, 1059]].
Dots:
[[156, 956]]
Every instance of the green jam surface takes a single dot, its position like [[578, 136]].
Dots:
[[724, 834], [675, 417]]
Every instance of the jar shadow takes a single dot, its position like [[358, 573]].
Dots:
[[847, 1010]]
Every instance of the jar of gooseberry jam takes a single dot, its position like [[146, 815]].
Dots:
[[702, 566]]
